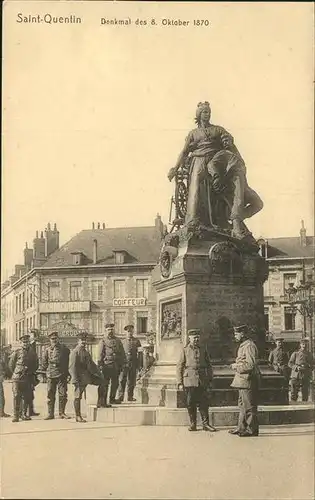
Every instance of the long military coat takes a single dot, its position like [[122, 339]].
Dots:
[[111, 353], [247, 372], [301, 364], [194, 367], [131, 347], [23, 363], [82, 368], [56, 361]]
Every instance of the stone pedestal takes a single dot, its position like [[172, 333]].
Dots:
[[210, 281]]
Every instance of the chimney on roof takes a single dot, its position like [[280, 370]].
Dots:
[[104, 225], [159, 224], [51, 239], [302, 235], [39, 246], [94, 251], [28, 256], [93, 225], [263, 247], [13, 279], [19, 270]]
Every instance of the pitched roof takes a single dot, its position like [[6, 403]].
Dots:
[[290, 247], [142, 244]]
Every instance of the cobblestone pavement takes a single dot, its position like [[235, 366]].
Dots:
[[63, 459]]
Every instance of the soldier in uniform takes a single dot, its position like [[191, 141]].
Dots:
[[194, 375], [56, 365], [23, 365], [128, 375], [246, 380], [111, 359], [301, 363], [278, 359], [83, 371]]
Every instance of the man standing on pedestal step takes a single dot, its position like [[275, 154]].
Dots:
[[246, 380], [56, 365], [278, 359], [23, 364], [83, 371], [301, 363], [194, 375], [128, 375], [111, 359]]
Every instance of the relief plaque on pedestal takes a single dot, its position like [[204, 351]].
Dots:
[[170, 320]]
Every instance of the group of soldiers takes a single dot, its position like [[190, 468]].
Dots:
[[119, 362], [195, 375], [117, 365], [116, 368], [296, 368]]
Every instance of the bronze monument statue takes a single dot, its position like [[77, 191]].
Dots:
[[211, 186], [210, 274]]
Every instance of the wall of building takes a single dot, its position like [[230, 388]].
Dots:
[[32, 298], [7, 318], [277, 307], [22, 304], [19, 306], [91, 299]]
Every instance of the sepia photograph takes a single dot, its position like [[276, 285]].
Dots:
[[157, 271]]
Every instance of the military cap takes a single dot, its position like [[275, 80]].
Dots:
[[25, 336], [50, 334], [193, 331], [303, 341], [129, 327], [280, 339], [109, 325], [241, 329]]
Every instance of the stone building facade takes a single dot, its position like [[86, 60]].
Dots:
[[290, 261], [105, 275], [19, 301], [101, 275]]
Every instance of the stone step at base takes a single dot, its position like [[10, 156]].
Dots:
[[135, 414], [159, 395], [158, 387]]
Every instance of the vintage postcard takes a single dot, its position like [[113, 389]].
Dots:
[[158, 282]]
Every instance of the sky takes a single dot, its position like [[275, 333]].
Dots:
[[95, 115]]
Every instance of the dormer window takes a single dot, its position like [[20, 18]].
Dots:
[[263, 246], [77, 258], [119, 256]]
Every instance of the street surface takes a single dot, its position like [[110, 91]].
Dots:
[[63, 459]]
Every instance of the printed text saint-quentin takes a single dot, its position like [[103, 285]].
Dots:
[[47, 19]]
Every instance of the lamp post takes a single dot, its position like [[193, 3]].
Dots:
[[301, 298]]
